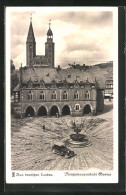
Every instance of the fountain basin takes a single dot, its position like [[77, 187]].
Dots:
[[77, 137], [77, 144]]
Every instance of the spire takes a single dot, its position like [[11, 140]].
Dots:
[[49, 32], [31, 19], [30, 37], [49, 23]]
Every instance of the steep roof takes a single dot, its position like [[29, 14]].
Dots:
[[17, 88], [49, 32], [31, 37], [70, 75]]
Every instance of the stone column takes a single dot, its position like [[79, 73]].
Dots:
[[93, 112], [47, 113]]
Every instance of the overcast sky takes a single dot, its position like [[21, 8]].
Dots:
[[84, 37]]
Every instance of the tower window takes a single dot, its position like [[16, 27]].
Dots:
[[87, 95], [42, 95], [65, 96], [54, 95], [30, 96], [76, 95]]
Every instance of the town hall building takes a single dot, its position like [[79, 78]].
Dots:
[[46, 90]]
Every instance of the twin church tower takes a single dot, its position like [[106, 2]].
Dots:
[[32, 59]]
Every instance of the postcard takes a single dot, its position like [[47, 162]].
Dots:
[[61, 94]]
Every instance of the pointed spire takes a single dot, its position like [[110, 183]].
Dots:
[[30, 37], [31, 18], [49, 23]]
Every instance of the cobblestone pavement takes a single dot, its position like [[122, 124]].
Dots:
[[31, 147]]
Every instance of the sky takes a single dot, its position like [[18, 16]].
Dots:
[[82, 36]]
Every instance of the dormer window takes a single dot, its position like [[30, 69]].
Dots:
[[30, 84], [87, 95], [54, 95], [42, 95], [42, 84], [76, 84], [30, 96], [76, 95], [65, 96], [53, 84], [65, 83]]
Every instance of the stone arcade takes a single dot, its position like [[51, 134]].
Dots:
[[45, 90]]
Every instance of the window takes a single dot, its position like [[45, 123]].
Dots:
[[76, 95], [87, 95], [65, 95], [30, 96], [30, 84], [16, 97], [42, 96], [77, 107], [54, 95]]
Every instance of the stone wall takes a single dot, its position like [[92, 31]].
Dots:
[[48, 105], [95, 101]]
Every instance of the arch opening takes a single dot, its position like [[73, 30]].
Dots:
[[29, 111], [42, 111], [54, 111], [66, 110], [87, 109]]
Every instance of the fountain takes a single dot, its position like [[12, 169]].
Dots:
[[77, 139]]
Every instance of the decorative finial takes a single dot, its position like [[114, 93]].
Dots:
[[49, 23], [31, 18]]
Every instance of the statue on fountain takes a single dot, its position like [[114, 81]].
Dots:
[[77, 139], [77, 136]]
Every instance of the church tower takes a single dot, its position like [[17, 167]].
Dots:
[[49, 47], [30, 45]]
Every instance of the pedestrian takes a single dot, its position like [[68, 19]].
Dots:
[[43, 127], [57, 115]]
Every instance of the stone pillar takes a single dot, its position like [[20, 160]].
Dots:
[[93, 112], [47, 113], [35, 113], [60, 113]]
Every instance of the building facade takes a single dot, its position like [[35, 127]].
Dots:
[[109, 88], [48, 91]]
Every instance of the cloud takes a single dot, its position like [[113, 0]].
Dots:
[[83, 37]]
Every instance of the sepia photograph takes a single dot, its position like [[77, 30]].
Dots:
[[62, 94]]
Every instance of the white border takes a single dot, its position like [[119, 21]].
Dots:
[[59, 176]]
